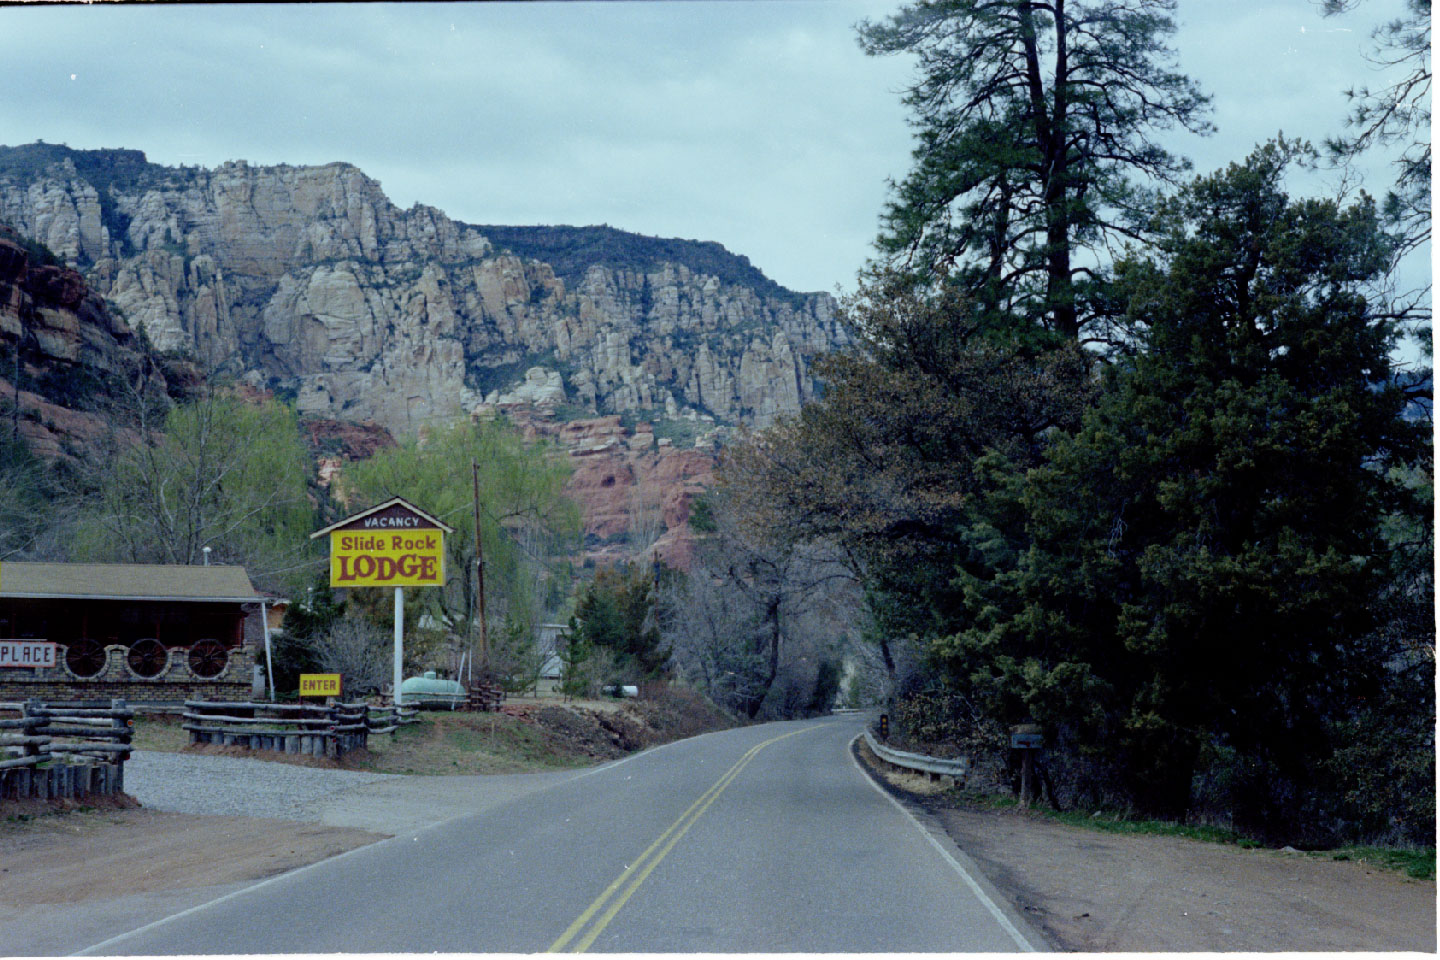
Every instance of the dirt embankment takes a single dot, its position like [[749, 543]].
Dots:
[[1091, 891], [607, 731]]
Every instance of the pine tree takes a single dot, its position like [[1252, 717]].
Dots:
[[1205, 553], [1035, 121], [615, 612], [575, 653]]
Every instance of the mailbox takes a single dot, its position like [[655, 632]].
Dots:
[[1026, 736]]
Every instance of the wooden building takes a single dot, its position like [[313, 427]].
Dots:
[[138, 631]]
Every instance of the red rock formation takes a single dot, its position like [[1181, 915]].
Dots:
[[61, 329], [634, 493], [348, 441]]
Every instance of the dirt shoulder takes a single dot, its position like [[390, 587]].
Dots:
[[73, 879], [1091, 891]]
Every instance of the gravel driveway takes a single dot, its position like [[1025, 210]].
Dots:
[[237, 786], [378, 802]]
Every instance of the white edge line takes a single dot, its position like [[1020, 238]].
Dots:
[[1005, 923]]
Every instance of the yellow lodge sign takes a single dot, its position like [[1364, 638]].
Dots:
[[387, 559], [319, 684], [392, 545]]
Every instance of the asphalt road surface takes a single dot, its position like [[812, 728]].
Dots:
[[762, 839]]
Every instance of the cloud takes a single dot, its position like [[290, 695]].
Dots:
[[760, 125]]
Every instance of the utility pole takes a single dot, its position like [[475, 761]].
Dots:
[[15, 413], [480, 570]]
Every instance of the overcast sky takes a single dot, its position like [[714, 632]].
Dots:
[[757, 124]]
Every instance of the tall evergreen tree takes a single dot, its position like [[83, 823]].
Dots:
[[1205, 553], [884, 463], [615, 612], [1035, 123], [1395, 113]]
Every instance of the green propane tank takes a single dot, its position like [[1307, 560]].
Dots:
[[430, 691]]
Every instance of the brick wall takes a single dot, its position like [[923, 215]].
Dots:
[[176, 682]]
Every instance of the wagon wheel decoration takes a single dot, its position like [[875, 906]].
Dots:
[[148, 657], [85, 658], [208, 659]]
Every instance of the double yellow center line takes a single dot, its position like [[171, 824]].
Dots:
[[634, 875]]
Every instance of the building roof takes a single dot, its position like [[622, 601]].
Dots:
[[126, 581]]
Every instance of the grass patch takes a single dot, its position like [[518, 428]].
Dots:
[[442, 742], [162, 733], [463, 743], [1107, 822], [1418, 863]]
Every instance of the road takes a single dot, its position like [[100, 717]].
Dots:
[[762, 839]]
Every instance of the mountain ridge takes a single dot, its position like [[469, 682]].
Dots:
[[310, 280]]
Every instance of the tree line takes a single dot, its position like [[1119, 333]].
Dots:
[[216, 477], [1124, 451]]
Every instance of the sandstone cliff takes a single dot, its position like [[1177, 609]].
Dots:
[[635, 490], [308, 280], [61, 349]]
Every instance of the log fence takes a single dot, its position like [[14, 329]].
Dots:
[[314, 730], [55, 751], [389, 719]]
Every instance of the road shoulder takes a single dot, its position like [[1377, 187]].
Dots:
[[1091, 891], [74, 879], [967, 870]]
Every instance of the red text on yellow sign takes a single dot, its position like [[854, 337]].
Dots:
[[364, 559], [319, 684]]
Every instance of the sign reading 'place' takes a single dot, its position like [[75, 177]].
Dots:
[[27, 653]]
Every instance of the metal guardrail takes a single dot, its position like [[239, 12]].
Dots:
[[956, 768]]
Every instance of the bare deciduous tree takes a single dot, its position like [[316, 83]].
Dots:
[[762, 616], [360, 652], [646, 520]]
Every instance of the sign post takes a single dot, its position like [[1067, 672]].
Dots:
[[395, 544], [399, 642], [1028, 739]]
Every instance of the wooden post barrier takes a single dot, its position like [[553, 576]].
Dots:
[[294, 729], [46, 769]]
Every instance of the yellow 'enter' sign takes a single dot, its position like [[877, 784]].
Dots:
[[414, 558], [319, 684]]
